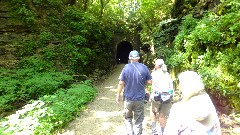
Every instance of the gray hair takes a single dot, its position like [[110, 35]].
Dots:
[[164, 68], [190, 83]]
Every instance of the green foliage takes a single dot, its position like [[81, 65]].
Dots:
[[163, 37], [37, 63], [26, 15], [221, 74], [50, 112], [44, 84], [187, 25], [10, 86], [19, 86], [228, 6], [210, 45], [49, 55], [27, 48], [6, 101], [86, 40], [78, 41], [48, 3], [152, 12], [45, 37], [67, 38]]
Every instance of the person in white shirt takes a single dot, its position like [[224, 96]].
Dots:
[[161, 82]]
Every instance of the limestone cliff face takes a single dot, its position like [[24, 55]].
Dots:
[[12, 30]]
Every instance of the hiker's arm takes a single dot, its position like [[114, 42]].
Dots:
[[148, 82], [119, 91]]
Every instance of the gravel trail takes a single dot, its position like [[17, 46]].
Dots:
[[104, 116]]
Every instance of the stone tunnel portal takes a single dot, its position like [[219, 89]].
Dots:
[[123, 50]]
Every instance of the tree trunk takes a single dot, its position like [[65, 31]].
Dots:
[[72, 2], [85, 2]]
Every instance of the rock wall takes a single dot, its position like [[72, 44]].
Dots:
[[12, 30]]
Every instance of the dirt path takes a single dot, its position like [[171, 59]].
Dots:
[[104, 115]]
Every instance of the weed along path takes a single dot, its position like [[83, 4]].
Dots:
[[104, 116]]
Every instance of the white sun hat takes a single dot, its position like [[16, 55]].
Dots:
[[159, 62]]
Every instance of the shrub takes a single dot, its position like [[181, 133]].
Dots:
[[210, 45], [19, 86], [50, 112]]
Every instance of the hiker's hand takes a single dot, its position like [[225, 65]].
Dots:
[[118, 99]]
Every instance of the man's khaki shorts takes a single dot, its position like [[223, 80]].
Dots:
[[159, 107]]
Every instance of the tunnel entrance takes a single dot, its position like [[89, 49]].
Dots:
[[123, 50]]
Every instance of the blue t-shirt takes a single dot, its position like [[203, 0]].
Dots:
[[135, 76]]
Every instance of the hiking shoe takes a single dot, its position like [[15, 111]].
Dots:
[[154, 132]]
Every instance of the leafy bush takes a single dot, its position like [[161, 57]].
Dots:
[[187, 25], [210, 45], [28, 16], [27, 48], [50, 112], [86, 42], [66, 38], [44, 84], [221, 74], [37, 63], [19, 86]]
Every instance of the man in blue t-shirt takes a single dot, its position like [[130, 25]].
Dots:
[[134, 77]]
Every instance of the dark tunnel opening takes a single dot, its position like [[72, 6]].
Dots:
[[123, 50]]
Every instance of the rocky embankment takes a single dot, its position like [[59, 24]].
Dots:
[[12, 31]]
